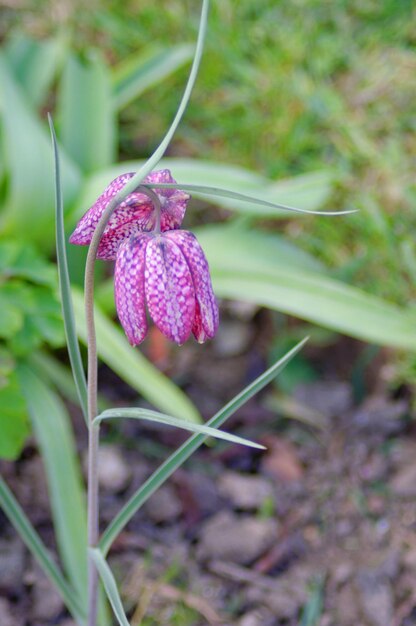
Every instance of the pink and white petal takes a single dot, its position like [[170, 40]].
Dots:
[[129, 287], [173, 201], [173, 210], [163, 177], [204, 295], [87, 224], [169, 289], [197, 327]]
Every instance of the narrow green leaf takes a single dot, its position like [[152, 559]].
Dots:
[[152, 161], [110, 585], [53, 370], [186, 450], [323, 301], [28, 208], [161, 418], [35, 63], [205, 191], [52, 428], [132, 366], [87, 121], [14, 425], [144, 70], [306, 192], [65, 286], [34, 543]]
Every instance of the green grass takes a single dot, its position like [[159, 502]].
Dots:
[[288, 88]]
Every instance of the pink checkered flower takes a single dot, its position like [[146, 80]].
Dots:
[[136, 213], [168, 274]]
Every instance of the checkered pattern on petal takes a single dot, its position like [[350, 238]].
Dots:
[[129, 287], [169, 289], [135, 213], [206, 317]]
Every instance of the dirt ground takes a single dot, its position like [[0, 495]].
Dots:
[[317, 530]]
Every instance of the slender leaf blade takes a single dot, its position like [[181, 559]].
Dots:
[[169, 420], [18, 518], [28, 207], [132, 366], [141, 71], [306, 192], [322, 301], [65, 286], [51, 425], [110, 585], [35, 63], [87, 121], [188, 448]]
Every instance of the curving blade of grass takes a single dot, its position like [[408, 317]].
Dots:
[[141, 71], [52, 428], [65, 285], [110, 585], [18, 518], [208, 191], [184, 452], [168, 420]]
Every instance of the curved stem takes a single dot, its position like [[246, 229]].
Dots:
[[93, 429]]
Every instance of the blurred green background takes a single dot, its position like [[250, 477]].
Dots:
[[319, 95]]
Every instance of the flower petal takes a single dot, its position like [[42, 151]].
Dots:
[[206, 313], [129, 287], [87, 224], [169, 289], [173, 201], [135, 213]]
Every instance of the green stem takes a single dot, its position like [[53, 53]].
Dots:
[[93, 429]]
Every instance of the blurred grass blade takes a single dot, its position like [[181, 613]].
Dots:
[[35, 63], [87, 121], [160, 418], [312, 611], [28, 206], [152, 161], [65, 286], [323, 301], [186, 450], [52, 428], [144, 70], [206, 191], [307, 192], [110, 585], [18, 518], [244, 267], [132, 366], [52, 370]]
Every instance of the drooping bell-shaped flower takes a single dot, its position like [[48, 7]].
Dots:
[[160, 269], [136, 213], [167, 274]]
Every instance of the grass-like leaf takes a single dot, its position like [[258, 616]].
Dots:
[[307, 192], [144, 70], [18, 518], [208, 191], [132, 366], [85, 113], [27, 208], [52, 428], [153, 160], [110, 585], [168, 420], [65, 285], [184, 452]]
